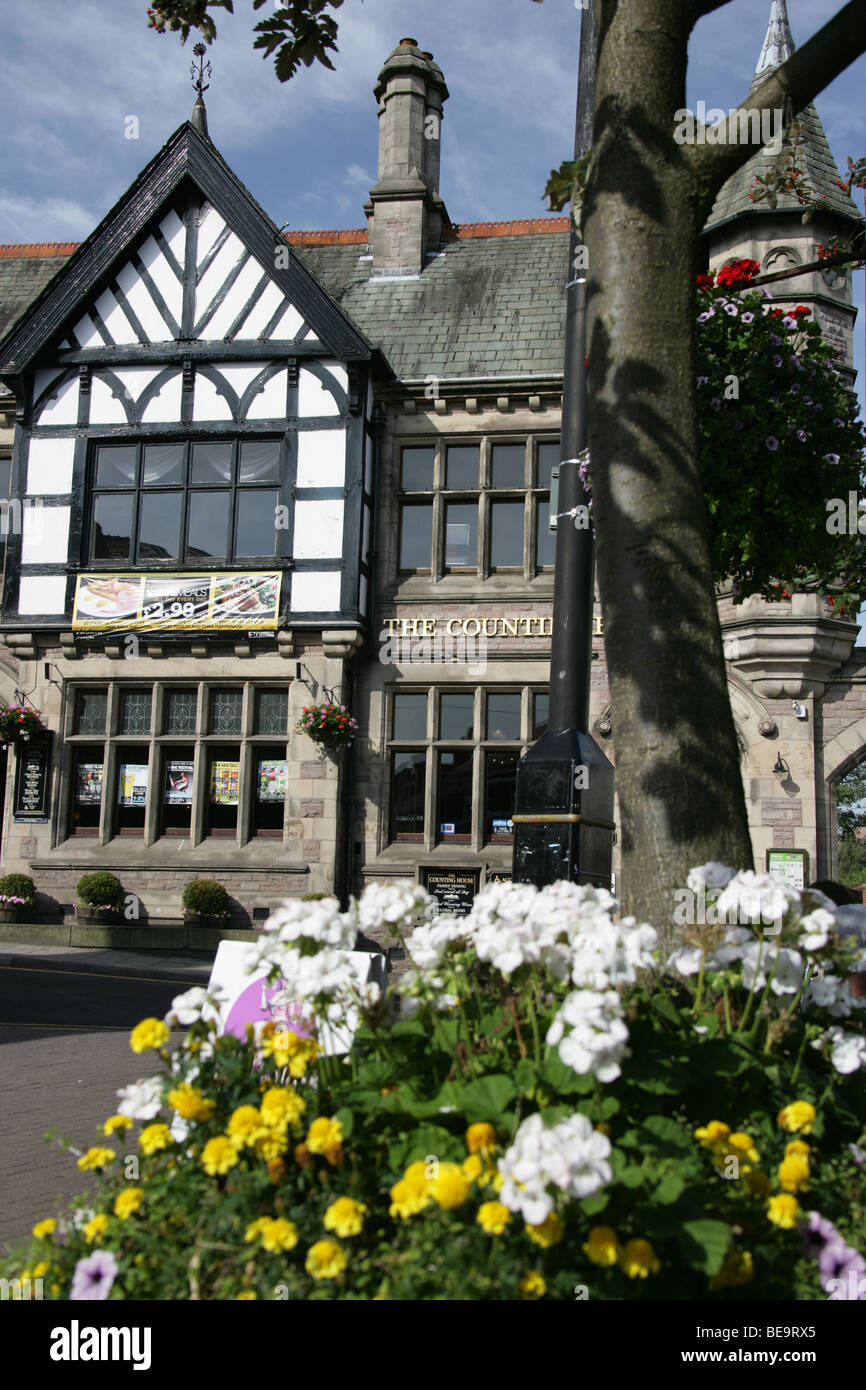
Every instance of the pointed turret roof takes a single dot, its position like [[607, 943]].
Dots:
[[815, 160]]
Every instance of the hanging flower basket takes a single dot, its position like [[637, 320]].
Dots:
[[331, 725], [20, 722]]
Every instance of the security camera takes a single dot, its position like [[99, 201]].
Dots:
[[800, 710]]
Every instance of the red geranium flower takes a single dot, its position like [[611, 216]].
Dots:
[[801, 311], [705, 282]]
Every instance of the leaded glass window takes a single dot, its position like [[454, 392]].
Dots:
[[90, 711], [180, 709], [272, 711], [135, 711], [225, 711]]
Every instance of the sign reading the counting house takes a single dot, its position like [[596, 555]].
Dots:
[[453, 889], [32, 781], [176, 602]]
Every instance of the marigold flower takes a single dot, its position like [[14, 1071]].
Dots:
[[794, 1173], [128, 1202], [546, 1233], [712, 1134], [40, 1269], [800, 1114], [279, 1235], [219, 1155], [324, 1134], [481, 1138], [738, 1268], [493, 1217], [783, 1211], [150, 1033], [95, 1228], [245, 1295], [742, 1146], [797, 1146], [276, 1169], [189, 1103], [637, 1259], [96, 1158], [114, 1123], [532, 1285], [255, 1228], [155, 1137], [272, 1144], [43, 1229], [450, 1188], [245, 1126], [345, 1217], [602, 1246], [303, 1156], [281, 1106], [325, 1260]]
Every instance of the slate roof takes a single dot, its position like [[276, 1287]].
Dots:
[[22, 278]]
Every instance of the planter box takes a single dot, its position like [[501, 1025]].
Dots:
[[16, 914], [96, 919], [131, 937]]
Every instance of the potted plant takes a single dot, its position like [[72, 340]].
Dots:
[[100, 898], [17, 893], [205, 903], [19, 722], [331, 725]]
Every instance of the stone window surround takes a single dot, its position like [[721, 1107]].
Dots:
[[535, 497], [480, 745], [159, 745]]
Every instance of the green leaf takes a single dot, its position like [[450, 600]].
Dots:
[[564, 1079], [670, 1132], [346, 1119], [525, 1076], [591, 1206], [632, 1176], [669, 1189], [663, 1005], [487, 1098], [704, 1243]]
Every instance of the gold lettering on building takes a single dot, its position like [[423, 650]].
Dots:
[[511, 625]]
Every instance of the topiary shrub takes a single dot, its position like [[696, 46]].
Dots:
[[100, 890], [17, 886], [314, 897], [206, 897]]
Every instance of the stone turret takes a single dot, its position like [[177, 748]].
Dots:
[[405, 212]]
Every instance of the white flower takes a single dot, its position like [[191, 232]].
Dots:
[[319, 920], [756, 957], [142, 1100], [712, 875], [369, 994], [816, 927], [686, 961], [829, 993], [788, 975], [751, 897], [847, 1050], [393, 907], [571, 1156], [597, 1038], [187, 1008], [732, 949]]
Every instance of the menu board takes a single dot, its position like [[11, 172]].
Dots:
[[88, 782], [452, 889], [178, 783], [32, 782], [224, 779], [132, 784], [177, 602], [271, 780], [788, 866]]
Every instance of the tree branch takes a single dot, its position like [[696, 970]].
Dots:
[[806, 73], [696, 9]]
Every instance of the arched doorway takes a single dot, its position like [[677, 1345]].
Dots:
[[843, 758]]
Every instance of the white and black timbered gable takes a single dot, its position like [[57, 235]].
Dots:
[[189, 397]]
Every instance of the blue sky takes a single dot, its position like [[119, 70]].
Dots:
[[70, 74]]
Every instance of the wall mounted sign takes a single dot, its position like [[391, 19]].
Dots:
[[495, 877], [178, 783], [132, 784], [224, 779], [504, 625], [176, 602], [789, 866], [32, 781], [453, 889]]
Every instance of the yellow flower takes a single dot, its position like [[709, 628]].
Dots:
[[794, 1172], [481, 1139], [800, 1114], [281, 1106], [114, 1123], [450, 1188], [151, 1032], [278, 1235], [95, 1228], [245, 1126], [602, 1246], [757, 1182], [325, 1260], [498, 1182], [245, 1294], [637, 1259], [43, 1229], [324, 1134], [272, 1144], [96, 1158], [190, 1103], [742, 1146], [218, 1155], [493, 1217], [128, 1202], [255, 1228], [345, 1217], [797, 1146], [405, 1201], [532, 1285], [548, 1232], [41, 1269], [155, 1137], [738, 1268], [714, 1133], [783, 1211], [289, 1049]]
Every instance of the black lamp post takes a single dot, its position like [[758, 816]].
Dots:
[[563, 820]]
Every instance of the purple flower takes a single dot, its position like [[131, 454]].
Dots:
[[832, 458], [702, 381], [858, 1155], [789, 321], [716, 403], [795, 388], [795, 361], [816, 408], [775, 339], [840, 424], [777, 361], [765, 292], [707, 314], [802, 436], [817, 1231], [747, 316], [772, 443], [94, 1276], [730, 309]]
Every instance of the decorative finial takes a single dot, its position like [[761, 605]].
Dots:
[[204, 69], [778, 43], [198, 119]]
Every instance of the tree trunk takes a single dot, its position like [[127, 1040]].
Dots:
[[677, 763]]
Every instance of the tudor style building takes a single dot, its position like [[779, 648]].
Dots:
[[253, 469]]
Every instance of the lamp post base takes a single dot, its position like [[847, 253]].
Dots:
[[563, 817]]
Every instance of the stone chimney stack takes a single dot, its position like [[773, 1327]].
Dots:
[[405, 213]]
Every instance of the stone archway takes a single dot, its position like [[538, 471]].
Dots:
[[838, 757]]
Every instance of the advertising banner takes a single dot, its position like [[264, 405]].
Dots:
[[271, 784], [224, 779], [88, 782], [178, 783], [132, 784], [177, 602]]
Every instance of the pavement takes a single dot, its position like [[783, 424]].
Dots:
[[154, 965]]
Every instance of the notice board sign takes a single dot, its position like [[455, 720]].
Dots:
[[789, 866], [453, 889], [32, 781], [495, 876]]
